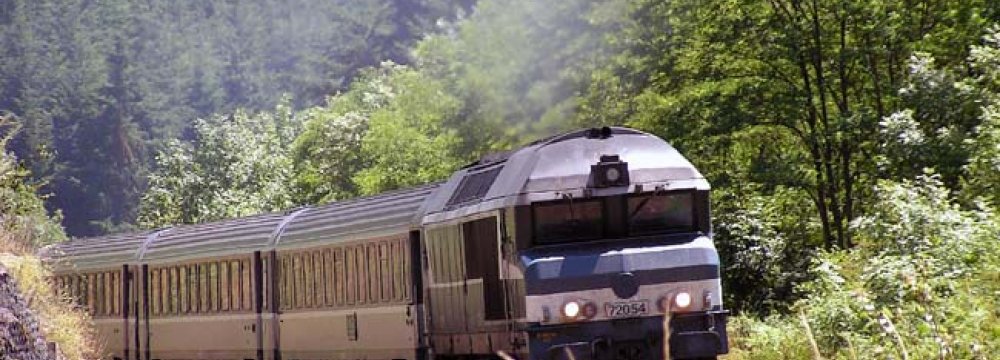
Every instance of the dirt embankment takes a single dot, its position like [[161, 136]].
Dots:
[[20, 335]]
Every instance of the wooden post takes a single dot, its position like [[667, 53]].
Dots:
[[53, 350]]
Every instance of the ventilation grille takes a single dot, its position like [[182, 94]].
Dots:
[[474, 186]]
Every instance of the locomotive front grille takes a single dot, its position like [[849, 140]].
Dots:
[[631, 350]]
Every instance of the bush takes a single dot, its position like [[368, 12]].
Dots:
[[922, 283], [25, 225], [60, 321], [765, 249]]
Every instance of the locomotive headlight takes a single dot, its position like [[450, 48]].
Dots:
[[609, 171], [612, 174], [571, 309], [675, 302], [682, 300]]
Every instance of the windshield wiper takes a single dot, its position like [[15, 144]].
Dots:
[[642, 205]]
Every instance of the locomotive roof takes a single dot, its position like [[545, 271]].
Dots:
[[558, 165]]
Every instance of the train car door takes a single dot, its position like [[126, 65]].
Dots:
[[446, 289], [514, 340], [485, 296], [482, 248], [125, 288], [258, 303], [142, 314]]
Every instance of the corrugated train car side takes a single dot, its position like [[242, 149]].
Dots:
[[327, 282]]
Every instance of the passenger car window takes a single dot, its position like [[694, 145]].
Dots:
[[175, 293], [224, 286], [156, 289], [352, 275], [235, 286], [330, 281], [204, 292], [184, 281], [246, 290], [339, 269], [362, 267], [285, 286], [194, 292]]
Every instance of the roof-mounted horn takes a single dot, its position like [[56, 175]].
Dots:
[[599, 133]]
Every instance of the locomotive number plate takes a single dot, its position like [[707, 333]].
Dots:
[[626, 309]]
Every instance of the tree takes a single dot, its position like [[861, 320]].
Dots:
[[763, 244], [389, 131], [409, 142], [24, 222], [823, 73], [113, 82], [238, 165], [519, 67], [983, 170], [328, 153]]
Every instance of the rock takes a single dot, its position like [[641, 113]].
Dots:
[[20, 336]]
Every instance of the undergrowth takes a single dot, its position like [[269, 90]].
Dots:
[[60, 321], [922, 283], [25, 225]]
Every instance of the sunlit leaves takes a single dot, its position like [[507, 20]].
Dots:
[[238, 165], [409, 142], [922, 281], [520, 67], [24, 221]]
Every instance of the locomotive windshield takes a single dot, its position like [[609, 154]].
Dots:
[[660, 213], [578, 220], [568, 220]]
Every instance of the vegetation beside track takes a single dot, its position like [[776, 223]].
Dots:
[[851, 145], [24, 226]]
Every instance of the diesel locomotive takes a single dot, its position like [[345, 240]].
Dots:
[[593, 244]]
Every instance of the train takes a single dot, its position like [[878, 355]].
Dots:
[[590, 244]]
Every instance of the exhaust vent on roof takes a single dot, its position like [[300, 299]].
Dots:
[[474, 186]]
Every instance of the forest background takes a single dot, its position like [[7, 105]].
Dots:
[[853, 145]]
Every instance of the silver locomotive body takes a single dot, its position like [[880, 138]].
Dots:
[[600, 235]]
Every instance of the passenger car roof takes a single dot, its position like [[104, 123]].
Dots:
[[367, 217]]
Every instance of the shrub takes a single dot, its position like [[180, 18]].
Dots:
[[922, 283]]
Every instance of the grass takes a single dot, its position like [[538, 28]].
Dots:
[[61, 322]]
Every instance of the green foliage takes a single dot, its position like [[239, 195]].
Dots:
[[949, 122], [825, 73], [764, 248], [103, 86], [983, 181], [328, 153], [409, 142], [389, 131], [940, 110], [24, 221], [237, 165], [518, 67], [921, 282]]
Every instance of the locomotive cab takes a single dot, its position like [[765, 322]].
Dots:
[[625, 267]]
